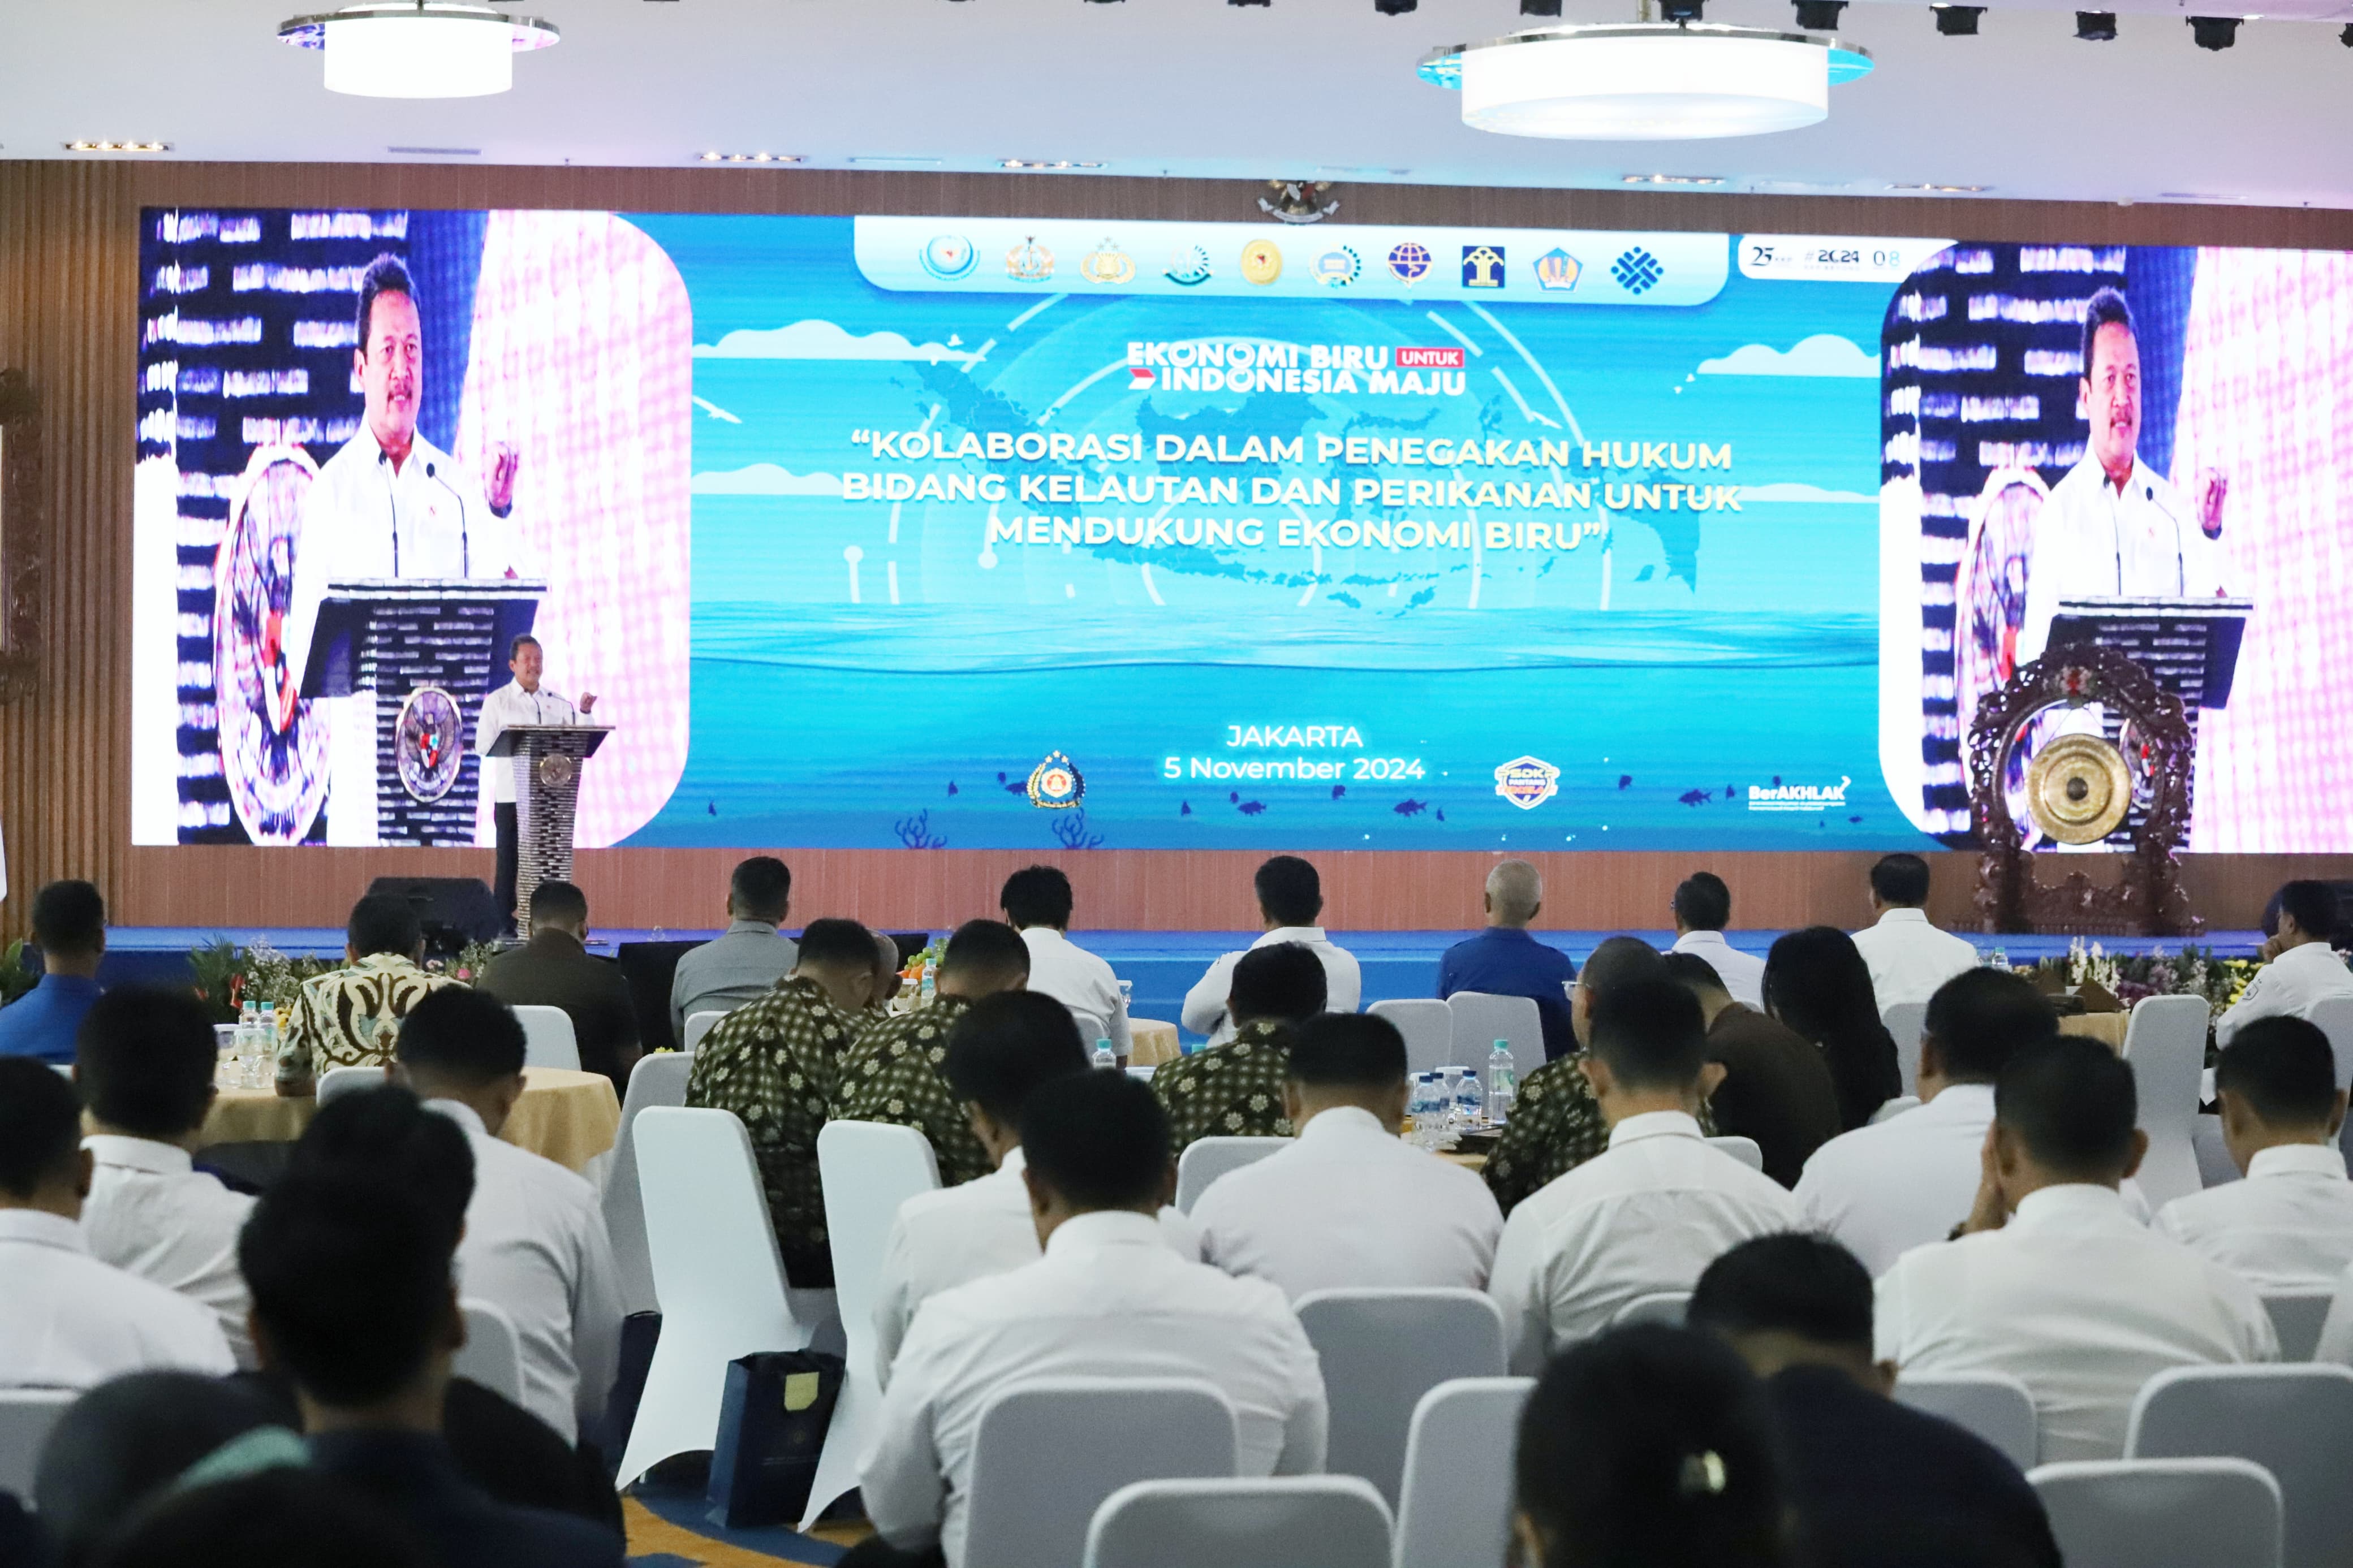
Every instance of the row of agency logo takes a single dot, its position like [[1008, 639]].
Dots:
[[1529, 782], [1049, 257]]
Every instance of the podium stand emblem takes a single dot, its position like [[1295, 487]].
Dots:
[[556, 771], [1056, 784], [428, 743]]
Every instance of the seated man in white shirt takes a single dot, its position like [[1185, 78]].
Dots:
[[68, 1321], [999, 1053], [1703, 908], [1908, 957], [1649, 1213], [1037, 904], [143, 1063], [1290, 902], [1348, 1203], [1108, 1300], [2289, 1225], [535, 1245], [1909, 1180], [2300, 967], [2053, 1282]]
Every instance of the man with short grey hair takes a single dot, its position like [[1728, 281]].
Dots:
[[750, 958], [1505, 960]]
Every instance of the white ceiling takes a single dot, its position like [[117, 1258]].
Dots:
[[1202, 88]]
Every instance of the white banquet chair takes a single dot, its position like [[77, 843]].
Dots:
[[493, 1354], [1050, 1450], [2333, 1017], [1454, 1505], [27, 1415], [718, 1274], [1297, 1521], [868, 1169], [2297, 1317], [656, 1079], [1206, 1158], [2294, 1421], [1381, 1351], [2165, 1044], [699, 1025], [1905, 1021], [1480, 1018], [2161, 1513], [1666, 1307], [1427, 1027], [337, 1082], [1996, 1406], [547, 1039]]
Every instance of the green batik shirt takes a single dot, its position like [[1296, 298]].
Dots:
[[1233, 1090], [774, 1063], [898, 1074], [1555, 1126]]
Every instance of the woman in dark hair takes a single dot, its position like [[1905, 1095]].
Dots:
[[1649, 1447], [1817, 982]]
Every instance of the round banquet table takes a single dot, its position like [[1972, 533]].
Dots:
[[2106, 1027], [568, 1117], [1150, 1042]]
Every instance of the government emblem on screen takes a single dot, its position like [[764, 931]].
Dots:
[[1637, 271], [1527, 782], [1557, 271], [1483, 267], [949, 256], [1408, 262]]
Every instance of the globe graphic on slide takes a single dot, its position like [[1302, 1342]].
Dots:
[[1409, 261]]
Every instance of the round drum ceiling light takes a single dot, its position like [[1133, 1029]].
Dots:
[[1646, 81], [419, 49]]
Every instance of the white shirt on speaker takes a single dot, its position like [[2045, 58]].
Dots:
[[506, 708]]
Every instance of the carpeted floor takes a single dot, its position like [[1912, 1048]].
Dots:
[[668, 1528]]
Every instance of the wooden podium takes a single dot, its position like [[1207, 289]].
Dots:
[[547, 761]]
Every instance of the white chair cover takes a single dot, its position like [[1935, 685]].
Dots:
[[1206, 1158], [2294, 1421], [2165, 1042], [337, 1082], [2297, 1317], [1381, 1351], [493, 1354], [1427, 1027], [718, 1274], [2162, 1513], [2332, 1015], [1050, 1451], [699, 1025], [868, 1169], [1481, 1018], [1905, 1021], [656, 1079], [1744, 1150], [1455, 1504], [1091, 1029], [26, 1418], [547, 1039], [1996, 1407], [1663, 1307], [1295, 1521]]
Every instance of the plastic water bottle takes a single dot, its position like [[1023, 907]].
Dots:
[[1423, 1108], [929, 986], [1468, 1098], [1503, 1082], [1104, 1056]]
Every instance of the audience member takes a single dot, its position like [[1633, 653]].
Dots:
[[2053, 1282], [1037, 904], [353, 1301], [1703, 908], [536, 1243], [747, 960], [1817, 984], [1108, 1300], [1873, 1483], [1555, 1125], [1290, 902], [1504, 961], [123, 1443], [1649, 1212], [277, 1518], [1908, 958], [144, 1068], [1349, 1203], [556, 969], [1234, 1089], [70, 928], [2289, 1225], [1646, 1447], [775, 1063], [1882, 1190], [897, 1071], [2300, 965], [348, 1016], [1777, 1089], [1000, 1050]]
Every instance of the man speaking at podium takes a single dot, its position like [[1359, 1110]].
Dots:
[[2115, 527], [521, 700]]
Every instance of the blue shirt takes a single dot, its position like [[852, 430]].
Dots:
[[1504, 961], [42, 1022]]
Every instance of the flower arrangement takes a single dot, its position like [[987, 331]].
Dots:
[[227, 977], [2190, 972], [14, 978], [471, 960]]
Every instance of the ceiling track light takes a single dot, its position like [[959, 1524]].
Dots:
[[1249, 2], [1931, 190], [1820, 15], [1680, 11], [769, 158], [1054, 165], [2214, 32], [1395, 7], [1671, 179], [1958, 21], [1539, 8], [2096, 27], [118, 146], [419, 49]]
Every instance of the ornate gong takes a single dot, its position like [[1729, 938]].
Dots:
[[2079, 789]]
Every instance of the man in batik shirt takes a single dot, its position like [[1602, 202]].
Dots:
[[1235, 1089], [774, 1062], [896, 1072], [350, 1017]]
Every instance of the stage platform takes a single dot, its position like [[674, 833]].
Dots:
[[1162, 965]]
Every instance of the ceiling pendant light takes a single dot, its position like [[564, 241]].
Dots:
[[419, 49], [1646, 81]]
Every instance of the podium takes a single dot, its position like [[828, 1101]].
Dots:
[[547, 759], [424, 652]]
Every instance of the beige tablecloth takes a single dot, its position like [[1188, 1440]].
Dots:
[[1151, 1042], [569, 1117], [2106, 1027]]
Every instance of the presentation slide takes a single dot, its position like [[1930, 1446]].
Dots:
[[978, 533]]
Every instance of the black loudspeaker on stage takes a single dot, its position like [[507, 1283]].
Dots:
[[454, 911]]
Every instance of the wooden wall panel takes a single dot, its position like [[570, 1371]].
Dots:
[[69, 255]]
